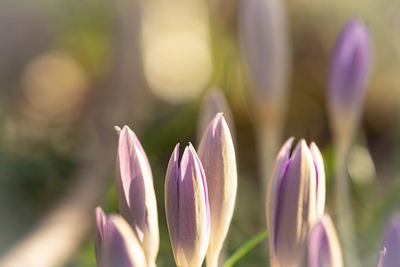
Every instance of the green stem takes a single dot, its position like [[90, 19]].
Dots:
[[345, 215], [244, 249]]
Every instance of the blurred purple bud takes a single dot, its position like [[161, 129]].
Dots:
[[390, 255], [187, 208], [265, 47], [135, 192], [214, 103], [295, 201], [323, 245], [350, 67], [116, 243], [217, 155]]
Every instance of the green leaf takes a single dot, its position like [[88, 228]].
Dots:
[[243, 250]]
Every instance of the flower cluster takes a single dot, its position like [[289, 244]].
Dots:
[[200, 192]]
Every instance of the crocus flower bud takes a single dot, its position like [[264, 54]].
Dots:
[[295, 201], [265, 47], [187, 208], [116, 243], [135, 192], [217, 155], [390, 255], [323, 245], [350, 67]]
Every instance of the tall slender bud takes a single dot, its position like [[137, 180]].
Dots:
[[135, 192], [187, 208], [265, 47], [349, 72], [323, 245], [295, 201], [217, 155], [116, 243], [390, 248]]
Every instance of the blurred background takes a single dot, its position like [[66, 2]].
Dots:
[[72, 69]]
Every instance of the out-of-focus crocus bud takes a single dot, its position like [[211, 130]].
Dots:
[[295, 200], [350, 67], [217, 155], [390, 255], [265, 47], [214, 103], [187, 208], [264, 39], [323, 245], [135, 192], [116, 243]]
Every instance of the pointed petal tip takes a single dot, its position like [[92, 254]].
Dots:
[[219, 119], [122, 132], [124, 128], [175, 152], [191, 152], [284, 152], [117, 129], [173, 164], [300, 146], [315, 151], [219, 115]]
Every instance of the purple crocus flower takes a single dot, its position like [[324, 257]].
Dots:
[[116, 243], [135, 192], [390, 248], [350, 67], [295, 201], [187, 208], [323, 245], [217, 155]]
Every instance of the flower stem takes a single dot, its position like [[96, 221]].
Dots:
[[344, 208]]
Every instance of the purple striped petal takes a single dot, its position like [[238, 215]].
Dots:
[[117, 245], [323, 245], [172, 183], [187, 208], [280, 168], [135, 192]]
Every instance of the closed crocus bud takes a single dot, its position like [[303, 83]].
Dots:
[[116, 243], [323, 245], [390, 248], [296, 199], [187, 208], [217, 155], [350, 67], [135, 192], [265, 47]]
